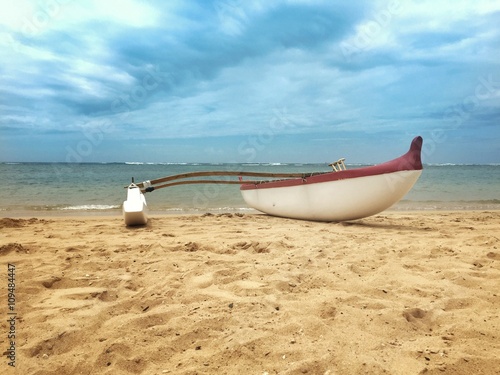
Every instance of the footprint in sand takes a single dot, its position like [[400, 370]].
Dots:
[[419, 318], [14, 246], [254, 246], [413, 315]]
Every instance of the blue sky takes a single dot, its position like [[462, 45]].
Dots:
[[249, 81]]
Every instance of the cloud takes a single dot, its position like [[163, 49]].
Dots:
[[176, 70]]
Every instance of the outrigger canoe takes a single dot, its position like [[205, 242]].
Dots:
[[338, 195]]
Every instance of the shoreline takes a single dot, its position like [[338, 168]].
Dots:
[[114, 213], [246, 211]]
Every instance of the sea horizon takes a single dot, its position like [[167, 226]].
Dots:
[[97, 188], [229, 163]]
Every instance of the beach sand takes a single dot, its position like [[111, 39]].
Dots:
[[397, 293]]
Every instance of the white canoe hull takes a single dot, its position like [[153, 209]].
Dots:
[[339, 200], [135, 209], [340, 195]]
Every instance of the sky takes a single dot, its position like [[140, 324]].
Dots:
[[249, 80]]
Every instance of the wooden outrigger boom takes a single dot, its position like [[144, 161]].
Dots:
[[147, 186], [135, 207], [188, 182]]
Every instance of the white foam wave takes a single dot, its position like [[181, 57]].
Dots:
[[90, 207]]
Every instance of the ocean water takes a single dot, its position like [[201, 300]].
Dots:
[[76, 188]]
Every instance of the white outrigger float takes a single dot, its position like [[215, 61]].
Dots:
[[135, 208], [338, 195]]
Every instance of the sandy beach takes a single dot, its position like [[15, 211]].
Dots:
[[397, 293]]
